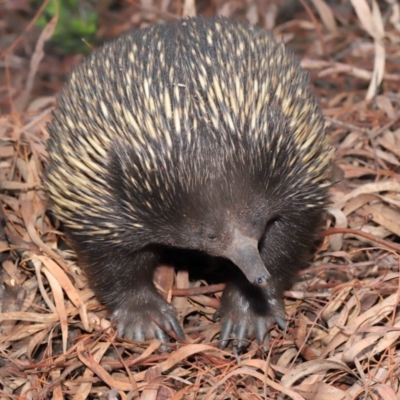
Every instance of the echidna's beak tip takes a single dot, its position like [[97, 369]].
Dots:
[[243, 252]]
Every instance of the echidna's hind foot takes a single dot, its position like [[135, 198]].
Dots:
[[145, 315], [247, 310]]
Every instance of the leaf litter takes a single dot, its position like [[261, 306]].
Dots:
[[343, 334]]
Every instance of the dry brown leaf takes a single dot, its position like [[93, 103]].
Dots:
[[94, 366], [84, 389], [385, 104], [286, 358], [391, 142], [370, 317], [189, 8], [388, 157], [357, 348], [35, 341], [179, 302], [45, 35], [337, 67], [326, 15], [386, 341], [155, 390], [57, 389], [395, 15], [301, 335], [386, 392], [313, 367], [383, 215], [336, 241], [164, 281], [369, 188], [366, 17], [23, 332], [244, 371], [321, 391], [29, 317], [372, 22], [357, 202], [333, 306], [58, 296], [68, 287]]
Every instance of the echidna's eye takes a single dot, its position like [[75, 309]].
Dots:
[[272, 222], [212, 237]]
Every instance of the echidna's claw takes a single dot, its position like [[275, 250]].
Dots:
[[176, 327], [154, 318], [245, 312]]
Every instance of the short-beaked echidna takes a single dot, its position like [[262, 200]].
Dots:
[[199, 138]]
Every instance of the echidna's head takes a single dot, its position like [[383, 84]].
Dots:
[[232, 199], [226, 224]]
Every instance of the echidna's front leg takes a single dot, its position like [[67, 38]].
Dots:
[[124, 283], [246, 310]]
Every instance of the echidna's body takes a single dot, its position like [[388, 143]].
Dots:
[[199, 135]]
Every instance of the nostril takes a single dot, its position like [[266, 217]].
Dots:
[[261, 281]]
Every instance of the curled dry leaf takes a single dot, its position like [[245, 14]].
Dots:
[[313, 367]]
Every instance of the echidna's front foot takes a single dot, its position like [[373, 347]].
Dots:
[[145, 315], [247, 310]]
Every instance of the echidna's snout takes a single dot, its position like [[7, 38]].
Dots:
[[243, 252]]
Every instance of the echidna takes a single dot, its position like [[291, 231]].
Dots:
[[184, 140]]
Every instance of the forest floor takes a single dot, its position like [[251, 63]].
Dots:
[[343, 335]]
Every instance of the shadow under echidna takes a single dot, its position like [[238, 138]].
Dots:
[[196, 136]]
